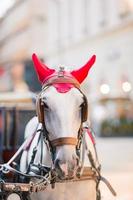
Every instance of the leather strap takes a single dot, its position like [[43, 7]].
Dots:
[[64, 141], [56, 80]]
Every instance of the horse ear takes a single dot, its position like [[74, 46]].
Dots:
[[82, 72], [42, 70]]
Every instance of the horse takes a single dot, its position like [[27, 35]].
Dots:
[[61, 114]]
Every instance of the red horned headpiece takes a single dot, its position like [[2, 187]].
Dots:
[[81, 73], [44, 72]]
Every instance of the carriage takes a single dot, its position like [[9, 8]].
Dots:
[[39, 162], [15, 111]]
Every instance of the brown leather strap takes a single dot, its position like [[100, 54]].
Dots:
[[64, 141], [56, 80]]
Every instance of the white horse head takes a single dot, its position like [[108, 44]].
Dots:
[[62, 111]]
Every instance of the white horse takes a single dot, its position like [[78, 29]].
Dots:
[[62, 118]]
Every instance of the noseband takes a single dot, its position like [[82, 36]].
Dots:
[[41, 115]]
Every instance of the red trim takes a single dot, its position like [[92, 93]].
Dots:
[[91, 136]]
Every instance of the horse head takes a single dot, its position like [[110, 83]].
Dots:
[[62, 108]]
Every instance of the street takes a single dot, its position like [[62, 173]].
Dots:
[[122, 182], [116, 156]]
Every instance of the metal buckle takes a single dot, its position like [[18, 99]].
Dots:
[[61, 72]]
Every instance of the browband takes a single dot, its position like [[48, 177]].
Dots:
[[57, 80]]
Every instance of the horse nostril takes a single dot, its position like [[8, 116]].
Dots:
[[77, 161], [58, 169], [56, 163]]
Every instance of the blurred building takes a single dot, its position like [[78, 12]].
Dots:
[[20, 28], [68, 32]]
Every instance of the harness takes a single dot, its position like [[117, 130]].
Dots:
[[40, 107]]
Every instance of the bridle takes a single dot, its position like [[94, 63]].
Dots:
[[40, 106]]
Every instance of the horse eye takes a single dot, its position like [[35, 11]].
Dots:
[[81, 105], [45, 105]]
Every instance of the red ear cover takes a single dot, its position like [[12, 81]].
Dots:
[[82, 72], [41, 69]]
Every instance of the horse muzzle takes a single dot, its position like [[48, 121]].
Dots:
[[65, 170], [66, 160]]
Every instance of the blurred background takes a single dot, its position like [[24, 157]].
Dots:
[[67, 33]]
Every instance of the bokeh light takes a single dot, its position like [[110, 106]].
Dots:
[[126, 86], [104, 88]]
